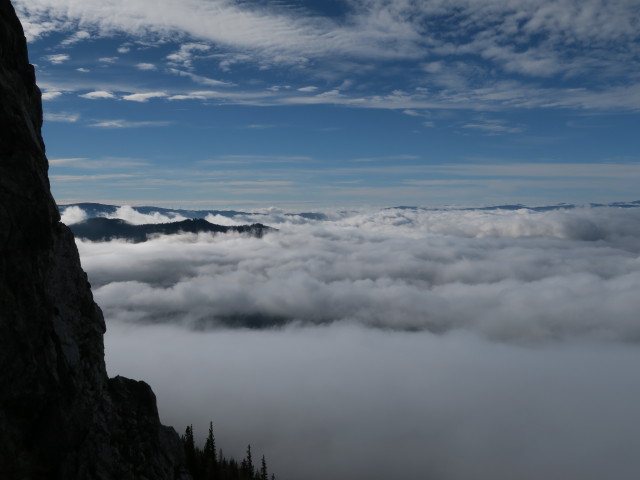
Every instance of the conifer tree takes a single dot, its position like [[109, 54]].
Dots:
[[210, 460], [249, 462], [263, 470], [190, 450]]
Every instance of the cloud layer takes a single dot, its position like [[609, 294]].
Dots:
[[506, 347], [356, 403], [509, 275]]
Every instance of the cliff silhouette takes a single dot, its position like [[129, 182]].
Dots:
[[61, 417]]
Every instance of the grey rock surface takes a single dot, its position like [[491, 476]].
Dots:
[[61, 417]]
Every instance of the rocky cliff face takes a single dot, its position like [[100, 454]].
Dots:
[[61, 417]]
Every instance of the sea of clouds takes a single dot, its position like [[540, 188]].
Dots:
[[395, 343]]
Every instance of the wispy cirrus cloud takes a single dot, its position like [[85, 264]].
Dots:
[[146, 66], [64, 117], [129, 124], [186, 54], [108, 60], [98, 164], [77, 37], [144, 97], [51, 95], [199, 79], [97, 177], [58, 58], [397, 29], [492, 126]]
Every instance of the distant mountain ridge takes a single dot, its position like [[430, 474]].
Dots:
[[101, 210], [105, 229], [93, 210], [542, 208]]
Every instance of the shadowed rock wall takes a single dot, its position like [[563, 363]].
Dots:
[[61, 417]]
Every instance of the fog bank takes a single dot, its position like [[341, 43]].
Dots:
[[350, 402], [449, 345], [509, 276]]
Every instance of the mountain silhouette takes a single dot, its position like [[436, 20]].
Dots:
[[105, 229]]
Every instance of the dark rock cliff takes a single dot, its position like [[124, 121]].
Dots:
[[61, 417]]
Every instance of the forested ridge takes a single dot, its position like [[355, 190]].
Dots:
[[209, 462]]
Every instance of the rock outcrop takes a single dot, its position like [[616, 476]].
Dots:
[[61, 417]]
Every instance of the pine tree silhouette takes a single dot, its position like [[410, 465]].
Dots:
[[211, 464], [210, 458], [190, 451], [263, 470], [248, 463]]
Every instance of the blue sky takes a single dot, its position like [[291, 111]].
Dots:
[[309, 104]]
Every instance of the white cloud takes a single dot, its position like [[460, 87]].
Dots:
[[129, 124], [503, 274], [86, 178], [492, 126], [209, 82], [146, 66], [72, 215], [548, 31], [58, 58], [108, 60], [262, 126], [255, 159], [187, 53], [130, 215], [66, 161], [99, 164], [64, 117], [98, 94], [465, 66], [240, 98], [51, 95], [144, 97], [77, 37]]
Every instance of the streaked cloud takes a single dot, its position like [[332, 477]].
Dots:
[[209, 82], [98, 164], [77, 37], [58, 58], [51, 95], [98, 95], [129, 124], [108, 60], [185, 56], [64, 117], [83, 178], [146, 66], [144, 97]]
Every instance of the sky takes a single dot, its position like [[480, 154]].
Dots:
[[308, 103], [390, 343]]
